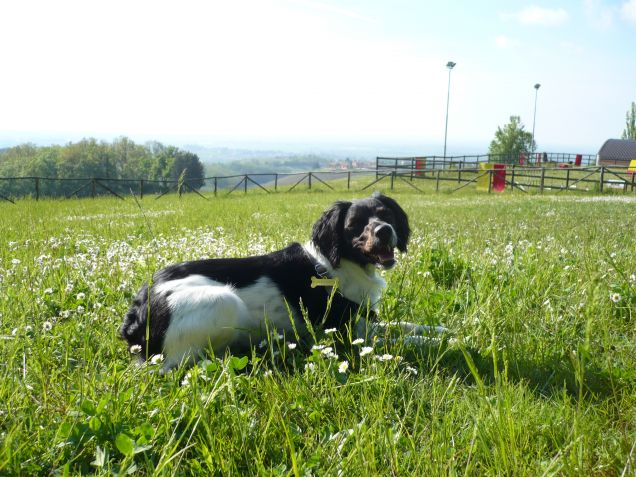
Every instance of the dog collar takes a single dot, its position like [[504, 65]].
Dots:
[[323, 279]]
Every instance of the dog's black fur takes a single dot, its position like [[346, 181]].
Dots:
[[361, 234]]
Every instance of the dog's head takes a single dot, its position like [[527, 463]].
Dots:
[[365, 231]]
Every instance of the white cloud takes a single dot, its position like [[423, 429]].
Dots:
[[572, 48], [598, 14], [628, 11], [534, 15], [505, 42]]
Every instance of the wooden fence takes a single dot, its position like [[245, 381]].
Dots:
[[515, 178], [451, 179]]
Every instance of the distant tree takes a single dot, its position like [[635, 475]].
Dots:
[[630, 126], [89, 158], [172, 161], [511, 141]]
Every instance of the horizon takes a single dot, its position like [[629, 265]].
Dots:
[[342, 149], [320, 72]]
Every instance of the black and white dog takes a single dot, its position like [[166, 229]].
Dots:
[[233, 303]]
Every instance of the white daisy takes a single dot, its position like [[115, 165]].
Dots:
[[135, 349]]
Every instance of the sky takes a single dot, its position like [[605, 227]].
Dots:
[[349, 72]]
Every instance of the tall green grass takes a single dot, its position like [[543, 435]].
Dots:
[[537, 375]]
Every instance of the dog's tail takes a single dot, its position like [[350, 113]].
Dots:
[[143, 339]]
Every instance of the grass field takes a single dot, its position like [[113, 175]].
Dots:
[[537, 376]]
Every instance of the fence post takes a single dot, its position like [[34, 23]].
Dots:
[[437, 180], [459, 172], [309, 178], [276, 181], [215, 186], [567, 179], [245, 185], [490, 180], [348, 180], [512, 179], [93, 187], [141, 189], [37, 189], [542, 179], [392, 178], [602, 178]]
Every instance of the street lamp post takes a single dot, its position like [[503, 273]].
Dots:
[[534, 118], [450, 65]]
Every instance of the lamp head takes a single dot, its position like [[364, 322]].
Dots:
[[450, 65], [537, 86]]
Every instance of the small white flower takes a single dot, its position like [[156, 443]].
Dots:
[[267, 372], [317, 347], [357, 341], [16, 261], [310, 366], [329, 331], [81, 295], [186, 379], [343, 367], [262, 344], [385, 357], [615, 297], [48, 291], [28, 328], [80, 309], [135, 349], [365, 350], [411, 370], [156, 359], [291, 345], [326, 350], [14, 331], [47, 326]]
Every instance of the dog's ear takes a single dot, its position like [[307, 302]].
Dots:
[[328, 232], [403, 230]]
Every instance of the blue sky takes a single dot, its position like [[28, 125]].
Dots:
[[317, 71]]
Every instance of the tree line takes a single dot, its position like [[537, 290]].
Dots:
[[157, 164]]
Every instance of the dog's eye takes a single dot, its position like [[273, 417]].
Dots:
[[384, 214], [356, 222]]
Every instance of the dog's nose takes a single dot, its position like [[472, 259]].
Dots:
[[384, 232]]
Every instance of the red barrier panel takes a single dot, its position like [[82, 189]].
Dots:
[[499, 178]]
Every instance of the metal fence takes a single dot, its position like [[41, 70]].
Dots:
[[419, 163]]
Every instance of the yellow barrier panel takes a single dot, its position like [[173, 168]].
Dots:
[[483, 181], [632, 167]]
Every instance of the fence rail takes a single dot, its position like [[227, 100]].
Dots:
[[526, 179]]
